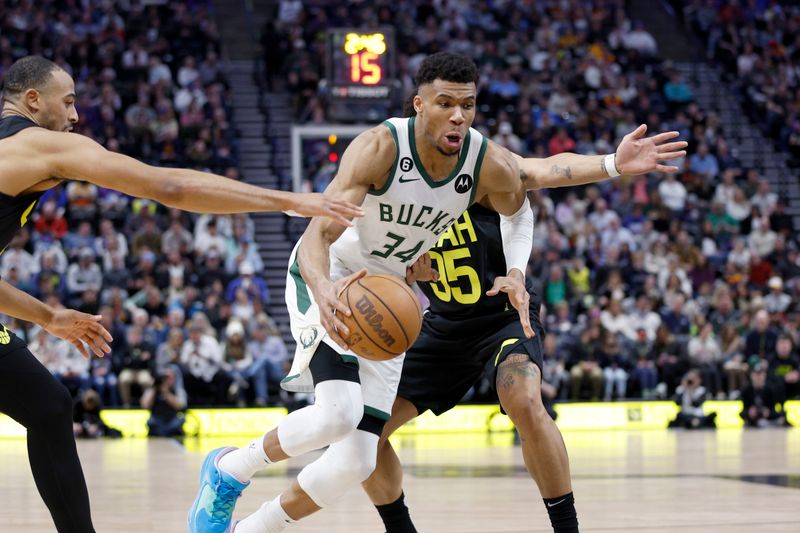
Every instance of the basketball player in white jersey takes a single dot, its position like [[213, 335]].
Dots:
[[413, 178]]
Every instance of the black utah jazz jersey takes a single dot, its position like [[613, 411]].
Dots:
[[468, 257], [14, 210]]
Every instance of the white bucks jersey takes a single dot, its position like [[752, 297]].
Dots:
[[405, 218]]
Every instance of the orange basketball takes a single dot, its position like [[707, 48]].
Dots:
[[386, 319]]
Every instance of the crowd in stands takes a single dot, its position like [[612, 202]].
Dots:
[[180, 293], [758, 45], [643, 279]]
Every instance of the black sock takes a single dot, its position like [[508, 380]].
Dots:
[[562, 513], [395, 516]]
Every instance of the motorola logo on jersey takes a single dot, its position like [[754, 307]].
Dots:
[[463, 183], [406, 164]]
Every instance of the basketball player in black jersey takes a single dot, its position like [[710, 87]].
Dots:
[[37, 152], [466, 326]]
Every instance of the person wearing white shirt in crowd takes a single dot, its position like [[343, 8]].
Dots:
[[617, 235], [739, 255], [209, 239], [46, 349], [725, 190], [84, 275], [643, 318], [506, 138], [202, 358], [176, 239], [738, 207], [640, 40], [672, 193], [601, 217], [18, 258], [656, 259], [762, 239], [764, 199], [776, 301], [614, 318]]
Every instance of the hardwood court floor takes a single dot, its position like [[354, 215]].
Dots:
[[651, 481]]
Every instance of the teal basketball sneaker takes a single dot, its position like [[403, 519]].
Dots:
[[212, 511]]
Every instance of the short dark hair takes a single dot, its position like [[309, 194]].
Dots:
[[30, 72], [447, 66]]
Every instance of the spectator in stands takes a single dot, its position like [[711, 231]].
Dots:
[[705, 354], [255, 287], [50, 221], [734, 364], [71, 369], [135, 366], [690, 396], [86, 419], [583, 366], [177, 239], [785, 367], [759, 399], [675, 318], [165, 399], [85, 275], [267, 345], [776, 301], [19, 259], [243, 367], [704, 164], [615, 365], [201, 359], [209, 238], [761, 339]]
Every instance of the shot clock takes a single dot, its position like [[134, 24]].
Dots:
[[360, 71]]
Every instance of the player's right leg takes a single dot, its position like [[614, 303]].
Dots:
[[518, 383], [337, 411], [33, 397]]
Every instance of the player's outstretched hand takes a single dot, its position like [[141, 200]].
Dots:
[[514, 286], [422, 270], [639, 155], [318, 205], [80, 330], [328, 296]]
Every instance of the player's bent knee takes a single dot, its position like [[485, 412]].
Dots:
[[344, 466], [339, 421]]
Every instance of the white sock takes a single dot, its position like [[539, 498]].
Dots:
[[270, 518], [245, 462]]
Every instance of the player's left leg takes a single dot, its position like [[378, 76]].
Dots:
[[519, 390], [33, 397]]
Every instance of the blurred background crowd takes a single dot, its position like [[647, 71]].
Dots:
[[643, 279]]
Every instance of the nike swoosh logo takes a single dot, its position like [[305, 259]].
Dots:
[[556, 503], [401, 180]]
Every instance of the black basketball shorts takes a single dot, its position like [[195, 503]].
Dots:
[[449, 357]]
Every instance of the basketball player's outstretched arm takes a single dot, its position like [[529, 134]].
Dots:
[[365, 163], [76, 157], [636, 154], [73, 326], [501, 189]]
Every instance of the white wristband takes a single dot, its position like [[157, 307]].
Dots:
[[609, 163]]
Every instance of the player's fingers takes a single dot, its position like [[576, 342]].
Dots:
[[663, 137], [335, 332], [435, 274], [100, 331], [672, 147], [639, 132], [672, 155], [343, 283], [667, 169], [80, 347], [346, 208]]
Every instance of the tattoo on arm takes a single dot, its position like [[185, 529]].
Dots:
[[562, 171]]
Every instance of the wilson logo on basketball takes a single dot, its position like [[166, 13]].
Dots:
[[374, 320]]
